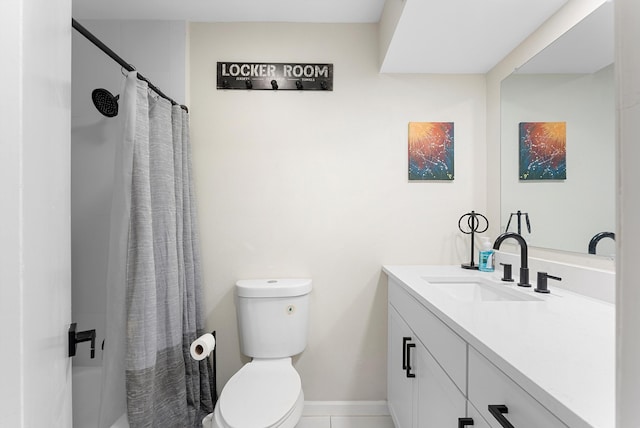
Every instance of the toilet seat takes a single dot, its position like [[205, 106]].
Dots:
[[263, 393]]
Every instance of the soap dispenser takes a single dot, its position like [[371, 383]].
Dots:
[[486, 262]]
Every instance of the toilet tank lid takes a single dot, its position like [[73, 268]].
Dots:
[[273, 287]]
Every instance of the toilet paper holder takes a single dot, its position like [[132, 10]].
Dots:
[[79, 337]]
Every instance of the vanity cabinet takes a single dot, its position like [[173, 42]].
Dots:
[[489, 386], [435, 377], [440, 403], [420, 394], [401, 383], [478, 419]]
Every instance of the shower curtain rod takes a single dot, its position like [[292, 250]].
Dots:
[[104, 48]]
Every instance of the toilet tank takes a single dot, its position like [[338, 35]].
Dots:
[[273, 316]]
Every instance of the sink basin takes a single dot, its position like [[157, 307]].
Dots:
[[475, 289]]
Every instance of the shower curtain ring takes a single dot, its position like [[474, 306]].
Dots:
[[124, 72], [153, 94]]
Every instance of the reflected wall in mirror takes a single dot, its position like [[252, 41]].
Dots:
[[570, 81]]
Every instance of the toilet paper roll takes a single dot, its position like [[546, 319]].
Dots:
[[202, 346]]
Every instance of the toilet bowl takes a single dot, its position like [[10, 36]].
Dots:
[[272, 319], [262, 394]]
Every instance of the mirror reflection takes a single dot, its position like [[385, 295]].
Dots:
[[569, 87]]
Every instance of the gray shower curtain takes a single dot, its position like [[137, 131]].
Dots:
[[161, 287]]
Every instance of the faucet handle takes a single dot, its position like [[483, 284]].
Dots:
[[506, 272], [541, 284]]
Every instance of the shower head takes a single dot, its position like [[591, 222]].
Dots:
[[105, 102]]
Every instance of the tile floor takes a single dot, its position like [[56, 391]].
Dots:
[[345, 422]]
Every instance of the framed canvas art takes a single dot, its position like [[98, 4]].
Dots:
[[543, 150], [431, 151]]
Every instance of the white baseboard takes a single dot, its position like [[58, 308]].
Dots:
[[345, 408]]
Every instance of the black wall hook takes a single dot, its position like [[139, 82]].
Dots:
[[79, 337], [274, 84], [299, 84], [248, 84]]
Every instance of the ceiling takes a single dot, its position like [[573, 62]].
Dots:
[[586, 48], [318, 11], [431, 36], [462, 36]]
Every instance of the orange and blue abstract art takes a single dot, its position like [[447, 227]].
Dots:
[[543, 150], [430, 150]]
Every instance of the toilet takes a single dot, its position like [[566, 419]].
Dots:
[[273, 317]]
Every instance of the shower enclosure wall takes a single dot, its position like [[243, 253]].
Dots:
[[158, 50]]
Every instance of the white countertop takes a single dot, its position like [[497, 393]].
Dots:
[[560, 349]]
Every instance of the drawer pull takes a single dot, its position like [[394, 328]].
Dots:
[[404, 352], [498, 410], [409, 346], [463, 422]]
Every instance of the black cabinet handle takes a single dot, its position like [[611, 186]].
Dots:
[[498, 410], [463, 422], [404, 352], [408, 369]]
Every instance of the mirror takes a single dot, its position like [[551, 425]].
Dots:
[[570, 81]]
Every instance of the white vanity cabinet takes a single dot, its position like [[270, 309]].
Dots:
[[440, 403], [489, 386], [400, 380], [420, 394], [435, 377]]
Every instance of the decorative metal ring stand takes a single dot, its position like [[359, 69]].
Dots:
[[473, 223]]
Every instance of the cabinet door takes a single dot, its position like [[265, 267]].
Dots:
[[489, 386], [446, 346], [478, 420], [400, 394], [440, 402]]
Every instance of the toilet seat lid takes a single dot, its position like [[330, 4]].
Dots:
[[260, 394]]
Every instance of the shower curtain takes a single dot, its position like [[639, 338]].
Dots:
[[153, 281]]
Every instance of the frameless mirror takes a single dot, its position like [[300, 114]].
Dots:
[[571, 82]]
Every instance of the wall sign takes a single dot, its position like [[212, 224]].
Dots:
[[275, 76]]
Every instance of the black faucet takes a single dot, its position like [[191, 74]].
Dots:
[[524, 255], [597, 237]]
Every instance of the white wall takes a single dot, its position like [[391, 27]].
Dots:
[[628, 298], [314, 184], [35, 273], [11, 391], [157, 50], [584, 203], [391, 14]]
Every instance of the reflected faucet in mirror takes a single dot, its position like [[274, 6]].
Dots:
[[524, 255], [597, 237]]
